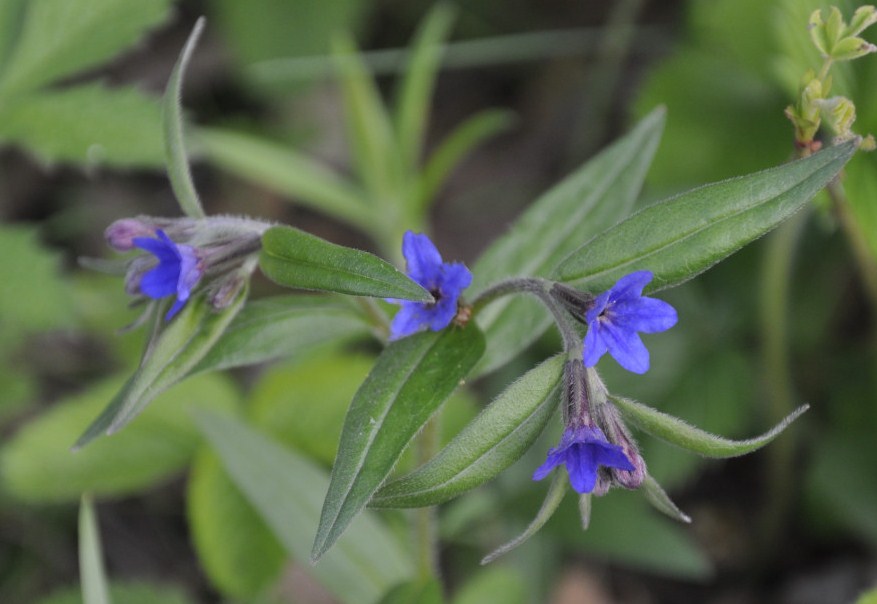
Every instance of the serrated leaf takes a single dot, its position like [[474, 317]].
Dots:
[[455, 146], [677, 432], [89, 125], [61, 38], [286, 171], [91, 564], [37, 466], [168, 359], [173, 124], [415, 92], [493, 441], [33, 296], [411, 379], [296, 259], [683, 236], [287, 327], [558, 488], [287, 490], [235, 547], [590, 200]]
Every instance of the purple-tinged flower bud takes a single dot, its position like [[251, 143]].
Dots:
[[617, 433], [227, 290], [121, 234]]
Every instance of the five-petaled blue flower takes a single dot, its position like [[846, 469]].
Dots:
[[178, 270], [444, 280], [616, 317], [583, 449]]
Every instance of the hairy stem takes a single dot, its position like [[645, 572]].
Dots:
[[426, 518]]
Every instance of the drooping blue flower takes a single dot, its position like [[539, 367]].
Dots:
[[177, 273], [583, 449], [616, 317], [444, 280]]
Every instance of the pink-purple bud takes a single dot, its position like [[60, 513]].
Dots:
[[121, 234]]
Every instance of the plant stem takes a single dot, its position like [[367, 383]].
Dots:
[[774, 308], [858, 242], [426, 518]]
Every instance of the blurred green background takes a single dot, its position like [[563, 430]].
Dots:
[[786, 321]]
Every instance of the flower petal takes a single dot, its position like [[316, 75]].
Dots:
[[599, 306], [612, 456], [626, 347], [190, 272], [175, 308], [630, 286], [161, 281], [423, 261], [648, 315], [595, 345], [581, 467], [441, 313], [410, 319], [455, 278], [555, 458]]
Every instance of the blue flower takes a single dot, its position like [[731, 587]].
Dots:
[[616, 317], [583, 450], [177, 273], [444, 280]]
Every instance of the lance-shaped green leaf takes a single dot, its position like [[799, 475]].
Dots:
[[283, 327], [491, 442], [558, 488], [412, 378], [300, 260], [419, 80], [91, 564], [168, 358], [587, 202], [685, 235], [286, 489], [172, 119], [677, 432]]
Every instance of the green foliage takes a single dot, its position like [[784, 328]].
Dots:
[[411, 379], [91, 570], [172, 123], [592, 199], [415, 592], [172, 353], [37, 465], [124, 593], [495, 584], [685, 235], [489, 444], [283, 327], [297, 259], [44, 41], [677, 432], [287, 490]]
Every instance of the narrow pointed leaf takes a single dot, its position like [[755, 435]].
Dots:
[[658, 497], [677, 432], [169, 358], [558, 488], [455, 146], [412, 378], [287, 489], [489, 444], [172, 118], [91, 565], [685, 235], [283, 327], [293, 258], [368, 126], [303, 180], [589, 201], [419, 80]]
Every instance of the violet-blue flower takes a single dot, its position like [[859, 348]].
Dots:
[[615, 318], [444, 280], [177, 273], [583, 449]]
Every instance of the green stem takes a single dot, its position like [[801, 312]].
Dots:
[[774, 308], [857, 239], [426, 518]]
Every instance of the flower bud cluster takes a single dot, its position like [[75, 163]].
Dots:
[[217, 253]]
